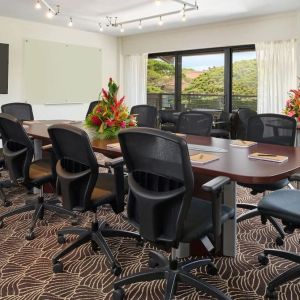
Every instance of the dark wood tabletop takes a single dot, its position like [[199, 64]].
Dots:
[[234, 163]]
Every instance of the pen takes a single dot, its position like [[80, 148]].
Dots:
[[266, 155]]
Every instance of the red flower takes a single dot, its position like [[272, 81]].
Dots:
[[95, 120], [110, 123], [123, 124], [105, 94]]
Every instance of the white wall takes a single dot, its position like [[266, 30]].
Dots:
[[14, 31], [240, 32]]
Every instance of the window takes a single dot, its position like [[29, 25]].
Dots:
[[202, 81], [218, 79], [244, 80], [161, 82]]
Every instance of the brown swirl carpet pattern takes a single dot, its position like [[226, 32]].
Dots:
[[26, 269]]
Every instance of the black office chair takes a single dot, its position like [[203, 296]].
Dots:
[[221, 127], [270, 129], [167, 120], [161, 206], [243, 115], [146, 115], [84, 189], [195, 122], [21, 111], [18, 153], [284, 205], [91, 107]]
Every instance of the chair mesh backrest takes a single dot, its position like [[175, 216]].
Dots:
[[194, 122], [18, 149], [242, 122], [77, 167], [91, 107], [167, 116], [272, 129], [21, 111], [146, 115], [160, 181]]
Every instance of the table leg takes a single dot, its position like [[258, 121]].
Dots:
[[229, 230], [38, 154]]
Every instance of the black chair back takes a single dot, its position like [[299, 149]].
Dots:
[[22, 111], [18, 150], [91, 107], [77, 167], [272, 129], [146, 115], [195, 122], [160, 181], [243, 116]]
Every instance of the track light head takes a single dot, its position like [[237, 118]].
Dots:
[[160, 22], [70, 24], [100, 27], [140, 25], [38, 5], [50, 14], [122, 29]]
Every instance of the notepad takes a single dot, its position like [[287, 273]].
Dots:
[[268, 157], [205, 148], [242, 144], [31, 122], [114, 146], [181, 134], [203, 158]]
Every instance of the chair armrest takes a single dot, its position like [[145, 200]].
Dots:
[[114, 163], [47, 147], [295, 177], [215, 184]]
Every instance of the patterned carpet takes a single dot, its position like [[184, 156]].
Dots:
[[26, 269]]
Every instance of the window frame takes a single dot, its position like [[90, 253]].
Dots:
[[228, 51]]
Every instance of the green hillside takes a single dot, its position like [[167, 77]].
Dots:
[[211, 81]]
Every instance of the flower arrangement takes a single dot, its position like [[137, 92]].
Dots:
[[110, 114], [292, 106]]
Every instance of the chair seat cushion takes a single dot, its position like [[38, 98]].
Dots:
[[105, 190], [199, 220], [219, 132], [284, 204], [40, 171], [260, 188]]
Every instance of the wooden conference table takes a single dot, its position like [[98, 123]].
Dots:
[[233, 162]]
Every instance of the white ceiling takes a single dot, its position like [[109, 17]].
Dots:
[[87, 14]]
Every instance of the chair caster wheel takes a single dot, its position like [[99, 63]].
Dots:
[[58, 267], [263, 259], [116, 269], [152, 263], [61, 239], [7, 203], [140, 243], [1, 224], [74, 222], [279, 241], [118, 294], [29, 236], [94, 246], [288, 229], [212, 270], [271, 294], [263, 220]]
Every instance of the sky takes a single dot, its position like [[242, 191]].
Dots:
[[205, 61]]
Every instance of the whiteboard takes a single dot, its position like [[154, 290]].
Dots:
[[57, 73]]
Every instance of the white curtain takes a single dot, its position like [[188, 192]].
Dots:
[[277, 74], [135, 78]]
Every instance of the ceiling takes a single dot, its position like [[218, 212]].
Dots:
[[87, 14]]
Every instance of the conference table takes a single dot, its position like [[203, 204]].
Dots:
[[232, 162]]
